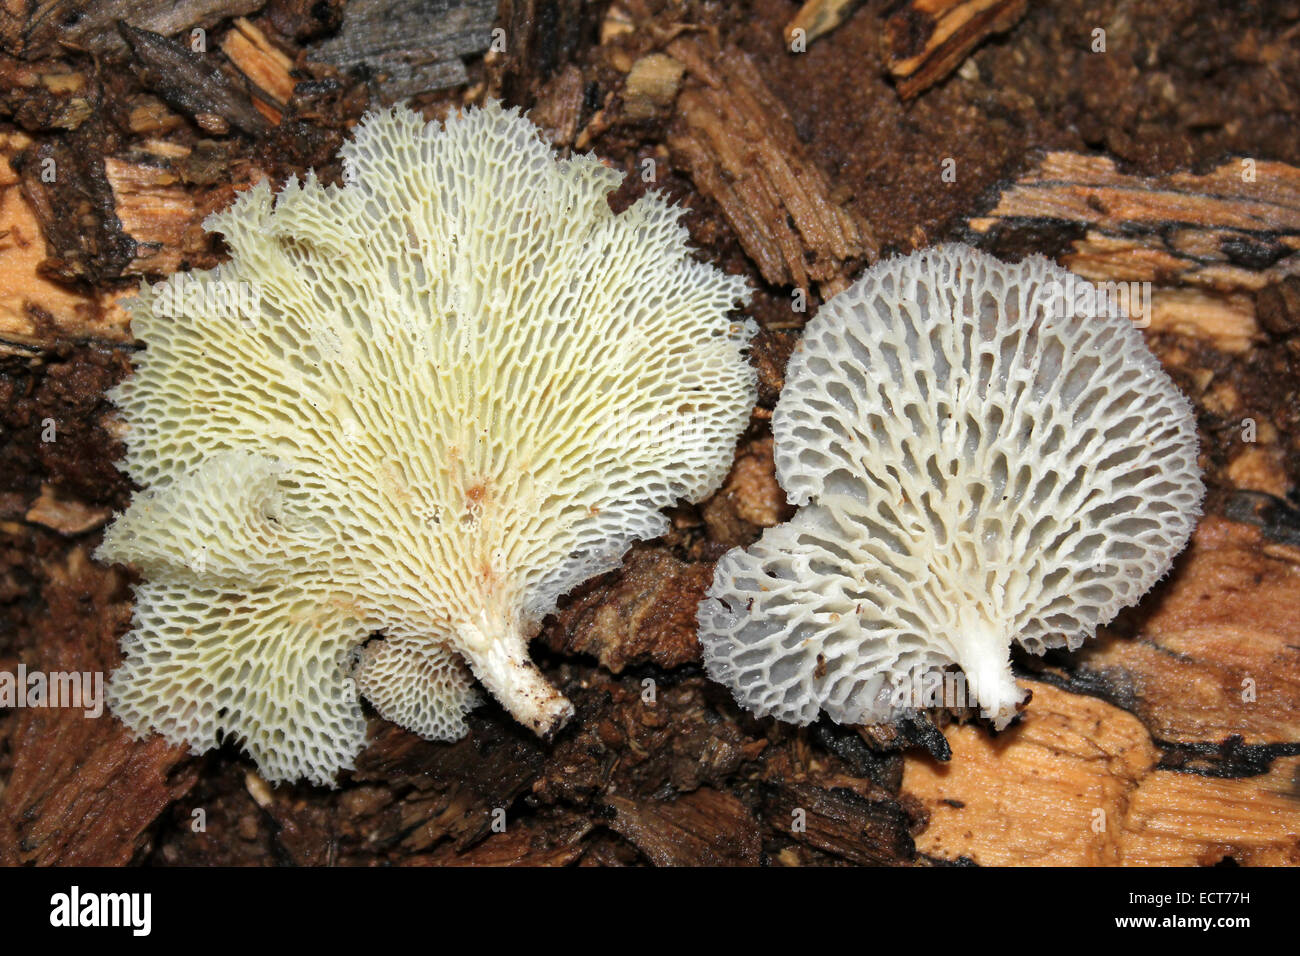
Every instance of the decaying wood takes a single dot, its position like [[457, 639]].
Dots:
[[739, 146], [44, 95], [409, 46], [542, 37], [817, 18], [651, 86], [1170, 746], [704, 828], [82, 791], [647, 616], [750, 498], [925, 40], [1216, 655], [1207, 243], [522, 844], [193, 83], [842, 821], [158, 213], [1171, 739], [266, 66], [68, 516], [1077, 782], [559, 107], [34, 310], [34, 28]]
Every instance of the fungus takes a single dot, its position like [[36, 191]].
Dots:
[[976, 464], [406, 416]]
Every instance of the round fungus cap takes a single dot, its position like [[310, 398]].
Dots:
[[406, 416], [978, 462]]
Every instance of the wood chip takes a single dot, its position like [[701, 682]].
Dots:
[[191, 82], [817, 18], [409, 46], [739, 146], [559, 107], [703, 828], [1207, 243], [643, 613], [64, 515], [869, 829], [522, 844], [651, 86], [160, 214], [35, 311], [925, 40], [266, 67], [750, 498]]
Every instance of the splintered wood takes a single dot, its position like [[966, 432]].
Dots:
[[925, 40], [409, 46], [1213, 675], [816, 18], [157, 212], [266, 67], [1078, 784], [1219, 655], [1206, 243], [33, 309], [82, 791], [740, 148]]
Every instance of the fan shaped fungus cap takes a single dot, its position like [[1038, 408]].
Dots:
[[423, 405], [976, 465]]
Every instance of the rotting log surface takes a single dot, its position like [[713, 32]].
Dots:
[[1173, 738]]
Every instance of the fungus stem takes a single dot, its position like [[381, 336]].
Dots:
[[498, 655], [984, 653]]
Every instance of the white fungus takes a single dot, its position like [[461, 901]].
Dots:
[[977, 463], [403, 419]]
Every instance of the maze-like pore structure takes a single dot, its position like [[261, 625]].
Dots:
[[976, 463]]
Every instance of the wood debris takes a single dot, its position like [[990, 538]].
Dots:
[[522, 844], [1077, 783], [816, 18], [1207, 243], [193, 83], [925, 40], [1217, 655], [67, 516], [265, 65], [704, 828], [865, 828], [645, 613], [46, 28], [739, 146], [651, 86], [34, 310], [409, 47], [541, 38], [559, 107], [82, 791], [158, 213], [750, 498]]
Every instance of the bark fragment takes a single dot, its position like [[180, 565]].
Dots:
[[925, 40]]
